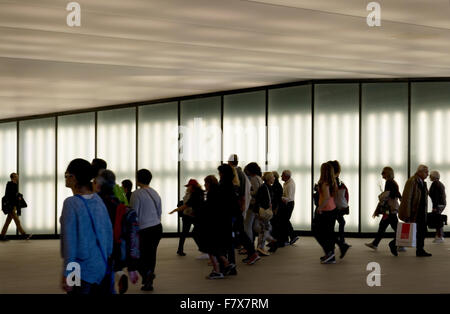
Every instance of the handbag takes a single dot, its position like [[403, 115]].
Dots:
[[266, 214], [406, 234], [6, 207], [107, 284], [436, 220]]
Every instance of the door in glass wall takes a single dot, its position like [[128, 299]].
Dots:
[[37, 171], [384, 143], [158, 152], [290, 135], [336, 137], [8, 162], [76, 139], [430, 130], [200, 140]]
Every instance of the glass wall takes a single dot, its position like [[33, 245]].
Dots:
[[290, 134], [430, 129], [8, 161], [158, 152], [244, 127], [336, 137], [76, 139], [116, 141], [37, 174], [384, 143], [200, 139]]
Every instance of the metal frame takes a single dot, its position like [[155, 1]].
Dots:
[[266, 88]]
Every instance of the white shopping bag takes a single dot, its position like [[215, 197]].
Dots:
[[406, 234]]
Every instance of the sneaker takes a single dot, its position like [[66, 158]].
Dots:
[[203, 256], [233, 272], [287, 243], [263, 252], [423, 253], [328, 257], [344, 248], [393, 248], [438, 240], [371, 245], [123, 284], [181, 253], [227, 270], [330, 261], [27, 236], [401, 249], [215, 275], [252, 260], [294, 240]]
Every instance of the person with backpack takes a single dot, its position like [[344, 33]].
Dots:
[[86, 234], [147, 204], [125, 230], [341, 200], [12, 203]]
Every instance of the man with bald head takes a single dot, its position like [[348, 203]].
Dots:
[[413, 207]]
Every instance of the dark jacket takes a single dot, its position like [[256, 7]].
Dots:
[[437, 194], [277, 190], [12, 195], [393, 188], [264, 196]]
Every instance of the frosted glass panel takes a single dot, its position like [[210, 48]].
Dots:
[[76, 139], [290, 137], [200, 139], [336, 137], [244, 128], [384, 143], [158, 152], [8, 162], [430, 130], [116, 141], [37, 174]]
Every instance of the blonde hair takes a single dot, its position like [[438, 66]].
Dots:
[[267, 176]]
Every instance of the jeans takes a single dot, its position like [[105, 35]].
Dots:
[[249, 223], [384, 223], [242, 237], [187, 223], [323, 230], [341, 221], [263, 227], [149, 240]]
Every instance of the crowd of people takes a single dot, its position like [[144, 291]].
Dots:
[[107, 228]]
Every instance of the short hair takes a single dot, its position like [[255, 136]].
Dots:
[[12, 175], [336, 166], [233, 159], [275, 174], [144, 176], [127, 184], [267, 176], [287, 173], [435, 175], [83, 172], [98, 164], [227, 173], [107, 180], [421, 168], [389, 171]]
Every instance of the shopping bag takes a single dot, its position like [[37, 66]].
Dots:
[[406, 234]]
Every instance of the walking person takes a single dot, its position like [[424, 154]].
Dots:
[[341, 200], [14, 202], [215, 228], [125, 231], [193, 202], [388, 208], [86, 233], [277, 189], [325, 215], [287, 236], [413, 207], [264, 200], [254, 172], [147, 204], [439, 200]]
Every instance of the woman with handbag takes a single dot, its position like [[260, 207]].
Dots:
[[388, 208], [86, 235], [438, 198], [12, 203], [264, 199]]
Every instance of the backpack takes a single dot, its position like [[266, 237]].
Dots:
[[125, 233], [341, 198]]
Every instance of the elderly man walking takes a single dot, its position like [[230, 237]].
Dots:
[[413, 208], [285, 211]]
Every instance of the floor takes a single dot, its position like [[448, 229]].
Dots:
[[34, 267]]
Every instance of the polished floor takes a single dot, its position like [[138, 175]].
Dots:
[[34, 267]]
